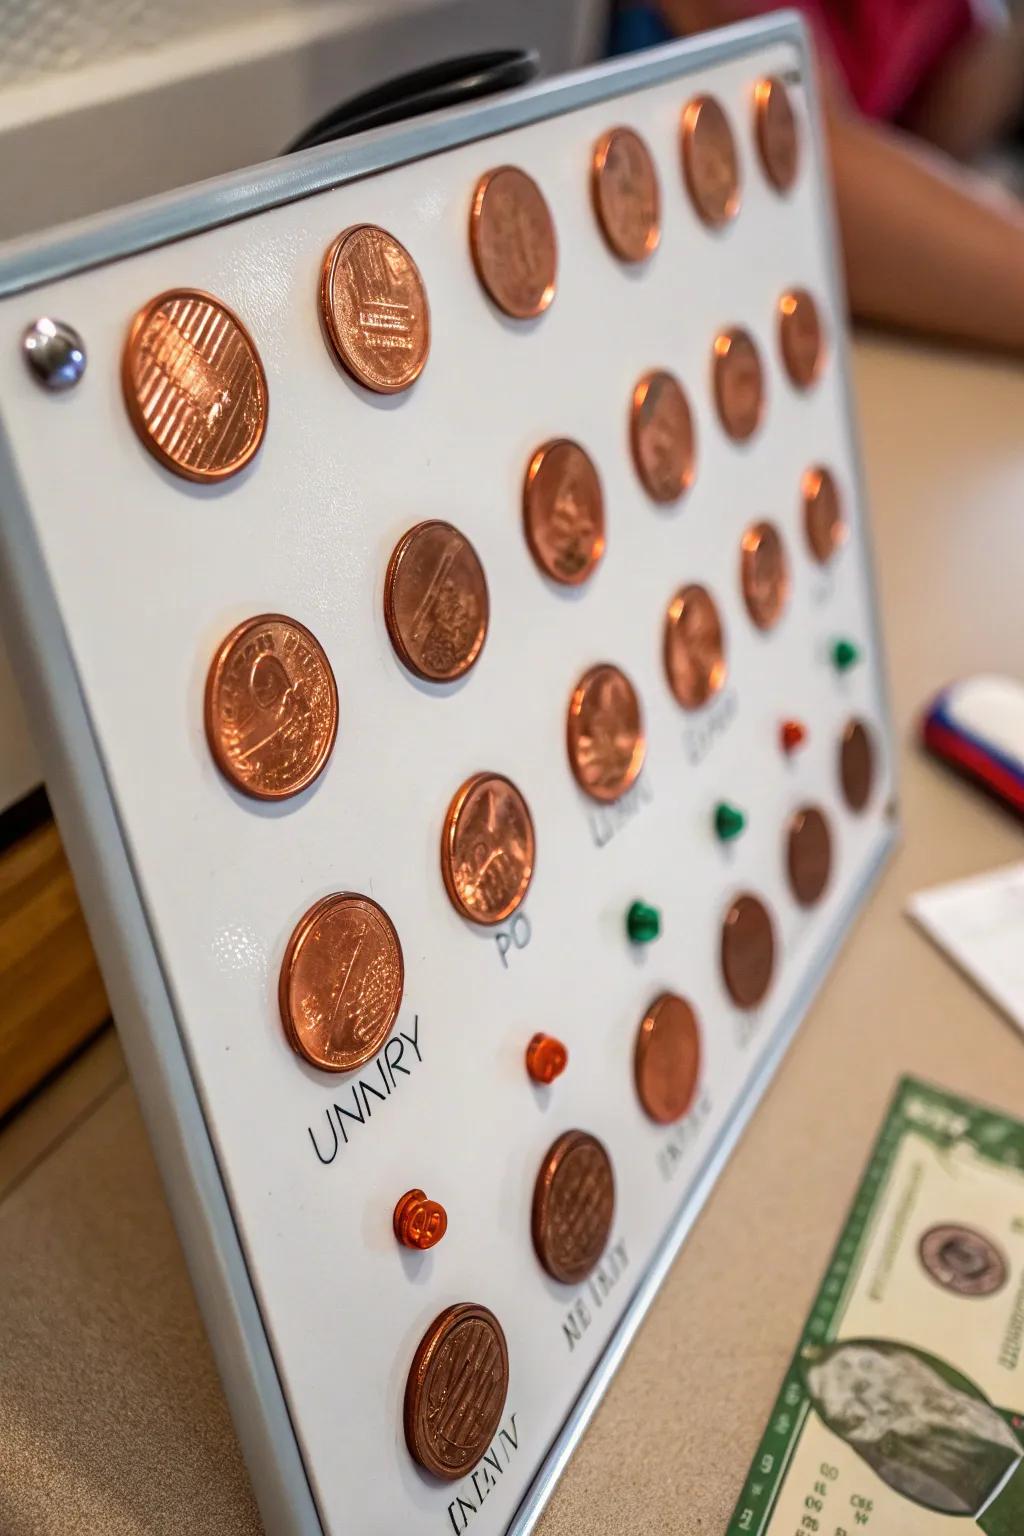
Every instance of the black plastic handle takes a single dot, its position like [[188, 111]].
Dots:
[[447, 84]]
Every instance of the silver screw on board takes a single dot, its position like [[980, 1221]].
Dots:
[[54, 352]]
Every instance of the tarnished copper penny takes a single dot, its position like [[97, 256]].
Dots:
[[963, 1260], [694, 647], [435, 602], [667, 1058], [512, 241], [764, 573], [710, 164], [662, 436], [341, 982], [606, 738], [194, 385], [563, 511], [456, 1389], [626, 194], [856, 764], [748, 951], [824, 522], [775, 128], [375, 309], [801, 337], [271, 708], [573, 1206], [487, 849], [739, 383], [808, 854]]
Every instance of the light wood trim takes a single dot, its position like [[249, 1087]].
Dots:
[[51, 993]]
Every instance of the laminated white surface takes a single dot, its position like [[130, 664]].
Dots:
[[149, 572]]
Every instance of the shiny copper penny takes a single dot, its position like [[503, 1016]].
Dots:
[[456, 1389], [824, 522], [194, 385], [573, 1206], [856, 765], [435, 602], [666, 1060], [808, 855], [764, 574], [341, 982], [662, 436], [563, 512], [487, 849], [375, 309], [801, 337], [963, 1260], [775, 128], [748, 951], [694, 647], [605, 733], [710, 164], [739, 383], [512, 241], [626, 194], [271, 708]]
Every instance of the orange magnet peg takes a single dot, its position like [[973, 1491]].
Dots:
[[419, 1222], [793, 734], [546, 1058]]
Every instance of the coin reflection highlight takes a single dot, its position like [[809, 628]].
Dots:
[[194, 385], [341, 982], [605, 733], [436, 604], [374, 308], [487, 849], [512, 242]]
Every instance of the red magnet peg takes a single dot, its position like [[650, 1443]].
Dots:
[[419, 1222], [546, 1058]]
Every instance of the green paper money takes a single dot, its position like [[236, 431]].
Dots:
[[903, 1410]]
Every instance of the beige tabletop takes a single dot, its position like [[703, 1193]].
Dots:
[[112, 1420]]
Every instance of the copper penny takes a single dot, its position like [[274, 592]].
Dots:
[[694, 647], [748, 951], [487, 849], [662, 436], [626, 195], [801, 337], [808, 855], [667, 1058], [739, 383], [375, 309], [341, 982], [563, 512], [764, 572], [435, 602], [775, 127], [856, 765], [710, 164], [194, 385], [271, 707], [573, 1206], [606, 738], [963, 1260], [512, 241], [824, 522], [456, 1389]]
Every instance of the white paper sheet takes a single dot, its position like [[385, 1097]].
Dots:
[[979, 923]]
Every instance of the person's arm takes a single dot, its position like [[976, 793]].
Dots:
[[927, 245]]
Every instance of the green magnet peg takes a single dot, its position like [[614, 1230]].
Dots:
[[643, 923], [844, 655], [729, 821]]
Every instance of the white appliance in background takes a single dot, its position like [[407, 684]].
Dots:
[[106, 101]]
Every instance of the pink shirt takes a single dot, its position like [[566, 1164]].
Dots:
[[884, 49]]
